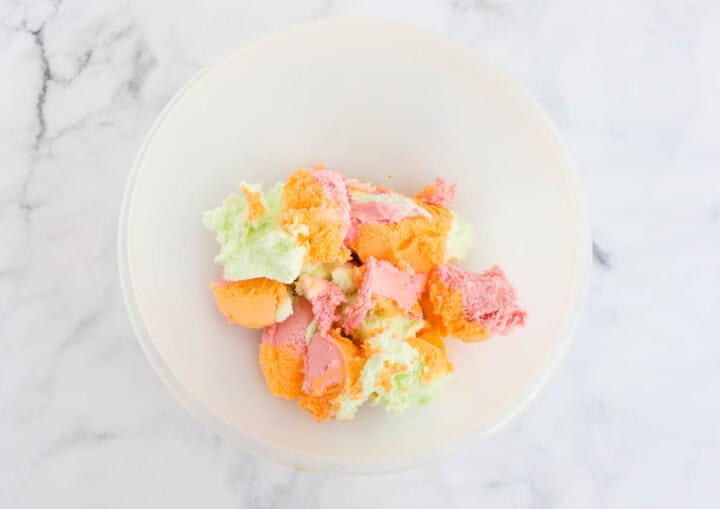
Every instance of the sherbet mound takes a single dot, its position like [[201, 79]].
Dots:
[[355, 289]]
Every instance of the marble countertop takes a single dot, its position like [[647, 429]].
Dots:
[[630, 420]]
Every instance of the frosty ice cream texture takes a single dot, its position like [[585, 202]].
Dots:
[[355, 288]]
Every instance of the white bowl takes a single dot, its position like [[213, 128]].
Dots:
[[375, 101]]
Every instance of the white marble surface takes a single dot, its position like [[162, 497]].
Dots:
[[631, 419]]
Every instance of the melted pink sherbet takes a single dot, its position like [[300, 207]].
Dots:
[[439, 193], [334, 186], [488, 298], [325, 297], [384, 279], [292, 330], [324, 365]]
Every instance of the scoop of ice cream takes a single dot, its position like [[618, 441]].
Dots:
[[406, 360], [283, 350], [403, 374], [371, 205], [253, 303], [471, 306], [380, 277], [317, 205], [331, 376], [324, 374], [417, 241], [252, 242], [333, 362], [421, 232]]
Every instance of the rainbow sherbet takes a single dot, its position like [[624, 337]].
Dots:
[[355, 289], [393, 374], [257, 248]]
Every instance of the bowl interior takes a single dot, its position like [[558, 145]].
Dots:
[[380, 102]]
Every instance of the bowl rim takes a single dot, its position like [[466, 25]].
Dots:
[[304, 462]]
